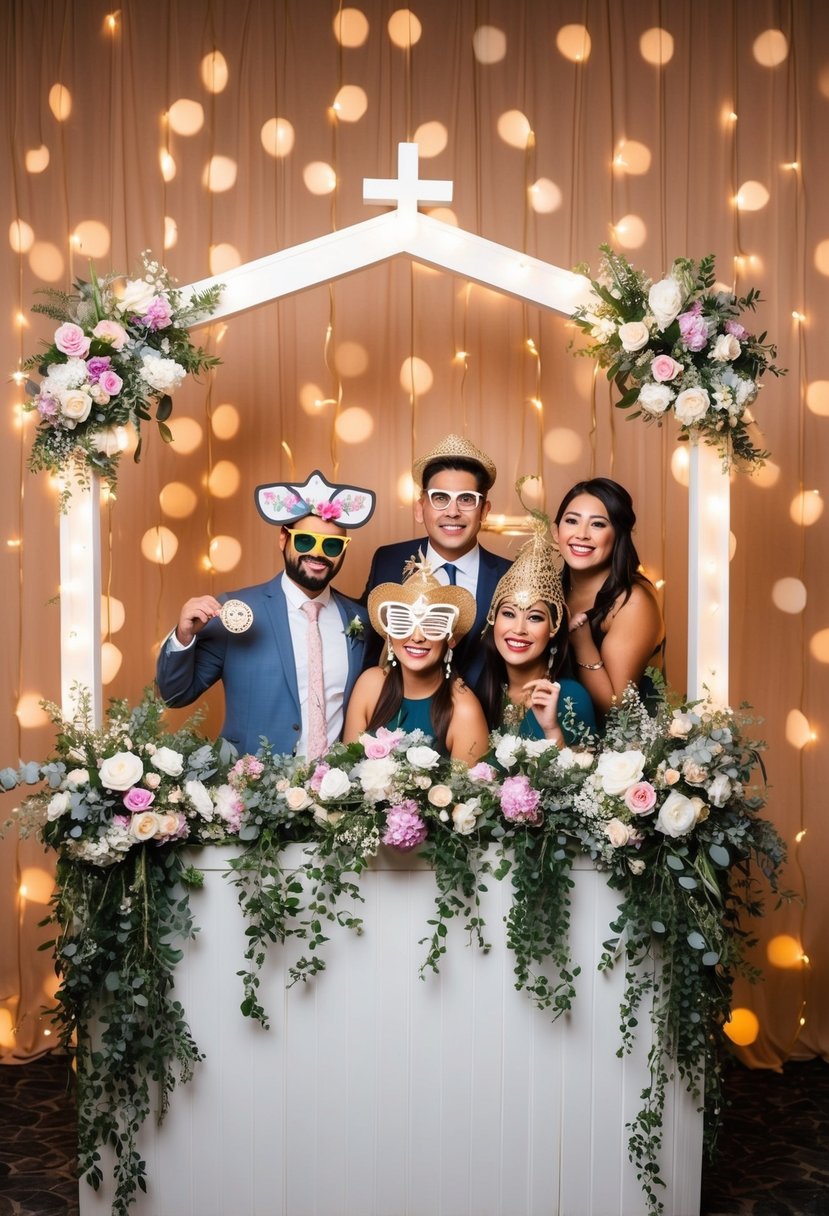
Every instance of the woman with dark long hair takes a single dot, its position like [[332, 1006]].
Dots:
[[421, 621], [616, 626], [523, 690]]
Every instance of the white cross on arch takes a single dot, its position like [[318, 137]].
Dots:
[[407, 189]]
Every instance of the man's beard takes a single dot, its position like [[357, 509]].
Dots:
[[297, 572]]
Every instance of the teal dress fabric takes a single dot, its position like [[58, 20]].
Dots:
[[574, 693], [414, 715]]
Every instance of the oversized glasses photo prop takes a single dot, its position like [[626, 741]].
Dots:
[[464, 500], [435, 621], [310, 543]]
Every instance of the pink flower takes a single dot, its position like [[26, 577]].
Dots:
[[248, 766], [138, 799], [47, 407], [111, 382], [482, 772], [328, 510], [71, 339], [96, 367], [640, 798], [404, 827], [693, 328], [382, 744], [316, 779], [111, 332], [158, 314], [736, 330], [519, 801], [121, 821], [665, 368]]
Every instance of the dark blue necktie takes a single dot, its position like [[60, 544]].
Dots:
[[451, 574]]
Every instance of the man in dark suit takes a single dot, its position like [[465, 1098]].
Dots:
[[455, 479], [280, 683]]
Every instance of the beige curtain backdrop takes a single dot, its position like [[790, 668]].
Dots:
[[200, 130]]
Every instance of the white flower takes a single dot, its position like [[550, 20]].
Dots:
[[58, 805], [537, 747], [77, 776], [665, 301], [694, 774], [636, 865], [334, 784], [692, 405], [322, 816], [633, 335], [152, 781], [296, 798], [121, 771], [680, 725], [376, 777], [655, 398], [107, 440], [75, 404], [618, 833], [506, 751], [585, 759], [719, 791], [199, 798], [135, 298], [145, 825], [164, 375], [618, 771], [440, 795], [167, 761], [678, 815], [465, 816], [63, 376], [422, 757], [228, 803], [725, 349]]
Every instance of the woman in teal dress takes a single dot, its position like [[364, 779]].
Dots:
[[422, 620], [522, 690]]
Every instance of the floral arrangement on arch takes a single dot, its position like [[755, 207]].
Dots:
[[678, 347], [664, 804], [120, 351]]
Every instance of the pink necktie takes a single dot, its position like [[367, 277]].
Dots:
[[317, 723]]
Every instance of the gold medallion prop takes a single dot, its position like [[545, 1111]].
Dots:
[[236, 616]]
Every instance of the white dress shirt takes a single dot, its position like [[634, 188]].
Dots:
[[467, 568]]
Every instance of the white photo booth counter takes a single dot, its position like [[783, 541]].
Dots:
[[378, 1093]]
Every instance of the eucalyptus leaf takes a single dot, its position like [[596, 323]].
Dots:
[[689, 883], [720, 856]]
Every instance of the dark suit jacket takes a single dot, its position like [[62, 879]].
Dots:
[[387, 567], [257, 669]]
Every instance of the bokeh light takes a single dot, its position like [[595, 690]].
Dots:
[[159, 544], [656, 46], [789, 595], [351, 27], [784, 951], [354, 425], [751, 196], [30, 713], [186, 117], [431, 138], [177, 500], [310, 396], [111, 660], [563, 445], [319, 177], [416, 375], [514, 128], [224, 479], [743, 1028], [219, 174], [60, 102], [92, 238], [407, 490], [351, 103], [21, 236], [630, 232], [36, 884], [766, 476], [37, 159], [167, 165], [214, 73], [798, 730], [806, 508], [46, 261], [7, 1035], [170, 232], [819, 646], [187, 434], [277, 136], [113, 614], [489, 44], [351, 358], [544, 196], [223, 257], [445, 214], [404, 28], [632, 157], [225, 421], [224, 553], [817, 398], [680, 464], [573, 42], [770, 48]]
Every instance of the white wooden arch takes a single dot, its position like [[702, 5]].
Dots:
[[404, 230]]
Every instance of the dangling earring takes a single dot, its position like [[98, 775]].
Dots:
[[390, 656], [448, 662], [551, 659]]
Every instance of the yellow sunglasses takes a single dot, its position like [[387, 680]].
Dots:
[[311, 543]]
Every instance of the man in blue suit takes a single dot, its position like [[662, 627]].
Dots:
[[257, 640], [456, 477]]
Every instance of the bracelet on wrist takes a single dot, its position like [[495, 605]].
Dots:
[[591, 666]]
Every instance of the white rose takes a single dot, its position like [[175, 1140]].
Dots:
[[665, 301], [655, 398], [725, 349], [135, 298], [145, 825], [334, 784], [680, 724], [422, 757], [322, 816], [168, 824], [168, 762], [692, 405], [636, 865], [199, 798], [566, 758], [618, 833], [678, 814], [537, 747], [58, 805], [585, 759], [633, 335], [164, 375], [465, 816], [719, 791], [440, 795], [618, 771], [75, 404], [121, 771], [376, 777], [296, 798], [505, 752], [78, 776]]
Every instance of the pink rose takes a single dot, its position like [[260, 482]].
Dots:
[[138, 799], [110, 382], [71, 339], [482, 772], [318, 774], [111, 332], [736, 330], [382, 744], [665, 368], [641, 798]]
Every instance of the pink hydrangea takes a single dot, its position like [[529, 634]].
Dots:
[[693, 328], [404, 827], [519, 801], [327, 510], [482, 772], [245, 768], [736, 330], [138, 799], [318, 774], [158, 314]]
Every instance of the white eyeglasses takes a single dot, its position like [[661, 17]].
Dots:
[[464, 500], [435, 621]]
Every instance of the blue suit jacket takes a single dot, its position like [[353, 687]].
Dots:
[[387, 567], [257, 669]]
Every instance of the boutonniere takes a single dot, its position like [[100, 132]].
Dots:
[[355, 629]]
